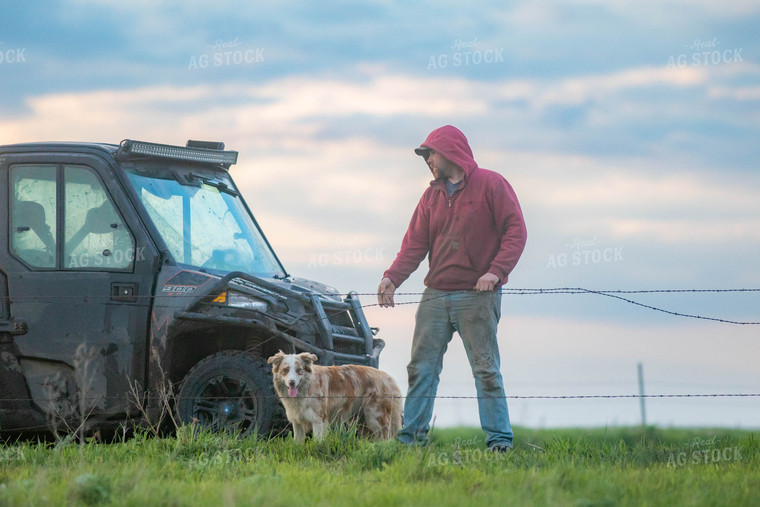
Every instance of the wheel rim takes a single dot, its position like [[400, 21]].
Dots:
[[228, 404]]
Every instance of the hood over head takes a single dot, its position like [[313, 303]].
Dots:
[[450, 142]]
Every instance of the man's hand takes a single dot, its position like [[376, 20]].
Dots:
[[385, 293], [487, 282]]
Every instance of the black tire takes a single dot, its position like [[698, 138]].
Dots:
[[229, 391]]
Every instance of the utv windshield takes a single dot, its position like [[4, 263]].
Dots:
[[203, 220]]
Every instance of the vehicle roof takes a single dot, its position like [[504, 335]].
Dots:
[[60, 146], [108, 150]]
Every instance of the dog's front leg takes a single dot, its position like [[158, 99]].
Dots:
[[299, 433], [318, 429]]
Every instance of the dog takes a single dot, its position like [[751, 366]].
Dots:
[[315, 396]]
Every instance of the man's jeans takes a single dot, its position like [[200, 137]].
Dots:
[[474, 315]]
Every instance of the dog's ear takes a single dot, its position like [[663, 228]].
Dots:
[[276, 359], [308, 358]]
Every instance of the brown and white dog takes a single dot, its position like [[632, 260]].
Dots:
[[318, 396]]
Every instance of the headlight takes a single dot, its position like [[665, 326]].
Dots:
[[240, 300]]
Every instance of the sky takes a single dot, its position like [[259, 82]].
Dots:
[[629, 131]]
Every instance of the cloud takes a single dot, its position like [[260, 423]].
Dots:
[[741, 94], [280, 127], [258, 110], [578, 90], [695, 8], [290, 112], [631, 198]]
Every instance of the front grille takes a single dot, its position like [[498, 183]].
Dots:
[[339, 318], [347, 331], [347, 348]]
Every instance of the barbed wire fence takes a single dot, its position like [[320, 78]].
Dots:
[[614, 294]]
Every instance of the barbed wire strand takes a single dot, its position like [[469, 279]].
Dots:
[[45, 427], [504, 290], [436, 397], [520, 292]]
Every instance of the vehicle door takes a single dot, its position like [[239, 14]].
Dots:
[[80, 274]]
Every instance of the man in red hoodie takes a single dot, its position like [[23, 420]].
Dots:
[[470, 226]]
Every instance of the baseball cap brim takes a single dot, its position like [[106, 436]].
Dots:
[[422, 151]]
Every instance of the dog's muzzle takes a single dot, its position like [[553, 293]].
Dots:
[[292, 389]]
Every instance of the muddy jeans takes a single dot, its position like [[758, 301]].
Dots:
[[474, 315]]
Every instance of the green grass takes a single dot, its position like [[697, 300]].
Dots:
[[577, 467]]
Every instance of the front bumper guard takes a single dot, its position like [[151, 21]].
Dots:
[[360, 335]]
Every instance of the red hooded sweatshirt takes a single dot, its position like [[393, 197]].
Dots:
[[477, 230]]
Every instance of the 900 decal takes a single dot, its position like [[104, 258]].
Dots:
[[184, 282]]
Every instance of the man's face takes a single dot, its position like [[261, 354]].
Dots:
[[441, 167]]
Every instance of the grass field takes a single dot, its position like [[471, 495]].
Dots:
[[578, 467]]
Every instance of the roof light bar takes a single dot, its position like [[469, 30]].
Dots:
[[129, 147]]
